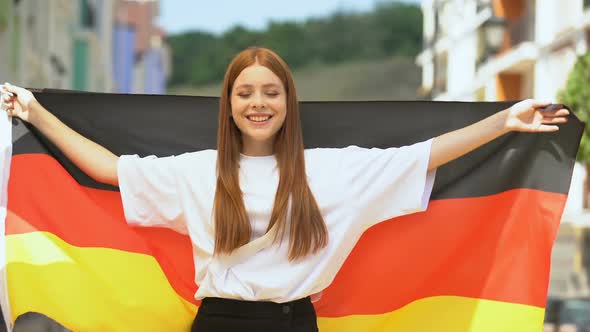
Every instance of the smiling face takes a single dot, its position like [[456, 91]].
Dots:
[[259, 116], [259, 108]]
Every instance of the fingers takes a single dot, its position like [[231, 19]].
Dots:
[[5, 91], [8, 109], [548, 120], [554, 113], [8, 88], [546, 128], [552, 107], [7, 100], [537, 103], [24, 96], [7, 105], [5, 97], [540, 128]]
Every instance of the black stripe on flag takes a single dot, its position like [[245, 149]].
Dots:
[[166, 125]]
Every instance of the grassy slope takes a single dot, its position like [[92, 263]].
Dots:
[[388, 79]]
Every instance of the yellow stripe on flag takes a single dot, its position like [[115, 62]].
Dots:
[[100, 289], [444, 314], [92, 289]]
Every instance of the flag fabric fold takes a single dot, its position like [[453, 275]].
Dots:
[[477, 260], [5, 157]]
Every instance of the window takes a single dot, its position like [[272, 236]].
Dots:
[[80, 64], [87, 14]]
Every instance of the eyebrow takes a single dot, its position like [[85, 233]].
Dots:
[[268, 85]]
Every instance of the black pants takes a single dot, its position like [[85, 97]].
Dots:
[[223, 315]]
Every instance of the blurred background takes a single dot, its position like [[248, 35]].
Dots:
[[469, 50]]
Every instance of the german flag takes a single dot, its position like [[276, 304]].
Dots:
[[477, 260]]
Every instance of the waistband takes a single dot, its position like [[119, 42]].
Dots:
[[214, 305]]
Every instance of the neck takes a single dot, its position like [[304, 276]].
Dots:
[[257, 148]]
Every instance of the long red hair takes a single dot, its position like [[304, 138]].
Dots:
[[307, 232]]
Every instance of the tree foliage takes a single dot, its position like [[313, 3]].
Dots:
[[576, 95], [390, 29]]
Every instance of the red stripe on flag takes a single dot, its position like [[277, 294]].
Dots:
[[495, 247], [87, 217]]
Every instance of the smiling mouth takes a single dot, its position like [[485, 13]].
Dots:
[[258, 118]]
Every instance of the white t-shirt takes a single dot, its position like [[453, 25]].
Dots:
[[354, 187]]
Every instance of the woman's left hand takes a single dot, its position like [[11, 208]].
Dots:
[[530, 116]]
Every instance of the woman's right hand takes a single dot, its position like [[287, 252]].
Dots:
[[93, 159], [16, 101]]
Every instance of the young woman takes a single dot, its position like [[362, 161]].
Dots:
[[271, 223]]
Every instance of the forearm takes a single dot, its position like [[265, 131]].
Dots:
[[93, 159], [456, 143]]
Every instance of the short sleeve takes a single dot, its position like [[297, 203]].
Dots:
[[387, 183], [150, 193]]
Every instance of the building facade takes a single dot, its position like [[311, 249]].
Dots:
[[535, 45], [541, 41], [76, 44]]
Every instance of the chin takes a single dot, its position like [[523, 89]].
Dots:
[[260, 137]]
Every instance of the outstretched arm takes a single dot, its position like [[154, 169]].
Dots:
[[93, 159], [528, 116]]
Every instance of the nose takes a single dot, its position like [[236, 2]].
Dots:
[[258, 102]]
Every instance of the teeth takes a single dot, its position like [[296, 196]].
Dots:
[[259, 118]]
